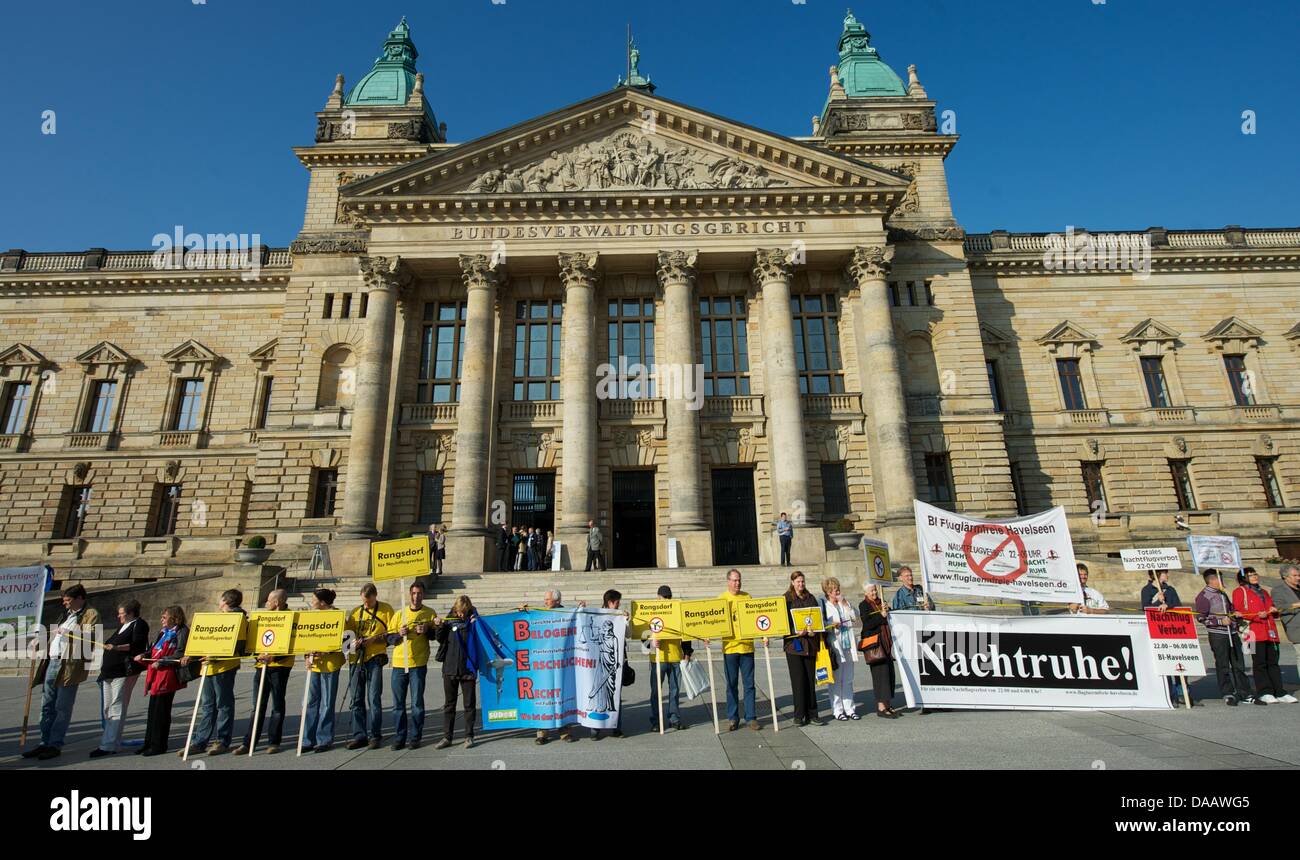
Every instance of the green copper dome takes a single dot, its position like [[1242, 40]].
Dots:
[[862, 72], [392, 79]]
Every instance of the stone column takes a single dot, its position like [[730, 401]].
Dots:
[[370, 425], [685, 491], [891, 466], [578, 391], [772, 273], [467, 536]]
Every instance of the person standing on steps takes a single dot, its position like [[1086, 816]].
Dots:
[[503, 547], [370, 623], [595, 546], [785, 534]]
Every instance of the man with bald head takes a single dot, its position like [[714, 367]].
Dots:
[[277, 681]]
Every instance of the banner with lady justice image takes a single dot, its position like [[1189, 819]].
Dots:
[[547, 668]]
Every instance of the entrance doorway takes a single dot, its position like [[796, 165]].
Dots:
[[735, 526], [634, 519], [533, 500]]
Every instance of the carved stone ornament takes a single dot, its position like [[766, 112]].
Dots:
[[327, 130], [870, 262], [411, 129], [328, 243], [1266, 442], [627, 160], [341, 214], [677, 267], [1094, 447], [1181, 444], [383, 273], [479, 271], [911, 202], [578, 268], [926, 234], [772, 264]]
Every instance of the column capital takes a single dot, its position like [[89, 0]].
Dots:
[[384, 273], [870, 262], [479, 271], [676, 267], [578, 268], [772, 264]]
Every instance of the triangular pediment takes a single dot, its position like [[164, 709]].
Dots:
[[626, 140], [1293, 333], [191, 351], [1233, 328], [1068, 332], [22, 355], [992, 336], [1149, 330], [265, 352], [104, 353]]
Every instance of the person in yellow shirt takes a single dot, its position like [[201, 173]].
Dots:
[[415, 625], [738, 661], [323, 685], [277, 670], [370, 624], [216, 727], [669, 653]]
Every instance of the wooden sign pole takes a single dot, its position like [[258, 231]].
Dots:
[[713, 690], [257, 712], [771, 691], [189, 736]]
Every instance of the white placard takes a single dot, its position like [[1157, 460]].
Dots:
[[557, 555], [1148, 558], [673, 551], [1216, 551]]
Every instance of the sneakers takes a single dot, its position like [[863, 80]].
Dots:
[[1268, 699], [357, 743], [442, 744], [1288, 699], [816, 721], [754, 724], [1251, 700], [1230, 701]]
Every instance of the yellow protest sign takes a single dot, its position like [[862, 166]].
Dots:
[[706, 619], [877, 559], [318, 632], [398, 559], [214, 634], [757, 617], [270, 632], [661, 619], [809, 618]]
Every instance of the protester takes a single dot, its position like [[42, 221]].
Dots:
[[503, 548], [785, 534], [65, 669], [1286, 597], [457, 673], [552, 599], [270, 687], [801, 649], [216, 723], [612, 599], [119, 673], [840, 635], [909, 595], [595, 546], [163, 679], [1214, 610], [1256, 606], [875, 616], [669, 654], [323, 685], [1158, 593], [1094, 603], [738, 661], [370, 623], [411, 667]]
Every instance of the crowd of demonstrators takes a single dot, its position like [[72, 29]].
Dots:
[[909, 595], [524, 548], [1286, 597], [1214, 610], [801, 648], [323, 685], [119, 673], [1255, 606]]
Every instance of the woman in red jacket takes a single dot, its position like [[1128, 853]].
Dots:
[[1256, 606], [163, 679]]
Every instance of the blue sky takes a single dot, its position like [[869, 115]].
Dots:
[[1123, 114]]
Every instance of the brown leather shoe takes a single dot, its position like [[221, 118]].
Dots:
[[357, 744]]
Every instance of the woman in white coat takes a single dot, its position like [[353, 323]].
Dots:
[[840, 615]]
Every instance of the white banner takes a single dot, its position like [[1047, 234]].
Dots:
[[22, 591], [1026, 558], [1221, 553], [1055, 662], [1148, 558]]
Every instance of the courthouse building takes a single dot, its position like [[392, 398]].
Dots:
[[634, 312]]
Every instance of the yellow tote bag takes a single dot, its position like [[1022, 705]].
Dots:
[[824, 673]]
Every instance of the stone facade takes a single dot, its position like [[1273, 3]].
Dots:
[[629, 200]]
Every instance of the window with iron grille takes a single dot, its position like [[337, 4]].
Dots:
[[17, 399], [1268, 477], [189, 405], [817, 344], [1243, 393], [442, 344], [1153, 374], [326, 491], [1067, 369], [538, 330], [631, 327], [1094, 486], [430, 508], [835, 490], [1179, 471], [75, 505], [167, 507], [938, 478], [724, 345]]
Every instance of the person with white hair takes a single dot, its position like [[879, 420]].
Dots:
[[552, 599], [1286, 597]]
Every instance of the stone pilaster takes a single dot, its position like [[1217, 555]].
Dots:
[[384, 278], [578, 388]]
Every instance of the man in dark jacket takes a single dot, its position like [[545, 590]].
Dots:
[[503, 547], [1214, 610], [118, 674]]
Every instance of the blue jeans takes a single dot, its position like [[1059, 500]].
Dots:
[[739, 667], [56, 707], [366, 686], [318, 727], [217, 710], [414, 679], [672, 675]]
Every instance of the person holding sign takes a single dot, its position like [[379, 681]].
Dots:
[[322, 686], [411, 666], [216, 726], [840, 615], [163, 679], [118, 675], [1158, 593], [669, 654], [878, 648], [909, 596], [1094, 602], [64, 670], [1214, 610], [738, 662], [801, 649], [370, 624], [277, 671], [1256, 606]]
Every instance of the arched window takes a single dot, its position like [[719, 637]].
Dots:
[[338, 378]]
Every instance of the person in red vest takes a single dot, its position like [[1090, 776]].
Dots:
[[1256, 606]]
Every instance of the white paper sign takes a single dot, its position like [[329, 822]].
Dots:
[[556, 555], [1219, 552], [1147, 558], [672, 552]]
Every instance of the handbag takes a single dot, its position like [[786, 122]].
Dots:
[[873, 649], [629, 674], [823, 670]]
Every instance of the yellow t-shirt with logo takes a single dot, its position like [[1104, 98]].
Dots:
[[669, 651], [218, 666], [365, 625], [735, 646], [413, 651]]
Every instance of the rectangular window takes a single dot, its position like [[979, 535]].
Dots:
[[893, 294], [325, 492], [538, 330], [1067, 369], [365, 305], [929, 295], [835, 490], [1018, 487], [99, 417], [430, 498], [442, 344], [1153, 375], [18, 396], [1182, 485], [264, 403], [817, 344], [346, 310], [189, 405], [724, 345], [631, 328], [76, 504], [911, 294], [167, 505], [1243, 393], [327, 311], [1094, 487], [938, 477], [995, 387], [1268, 477]]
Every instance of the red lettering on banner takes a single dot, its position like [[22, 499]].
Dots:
[[521, 661], [525, 688], [521, 631]]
